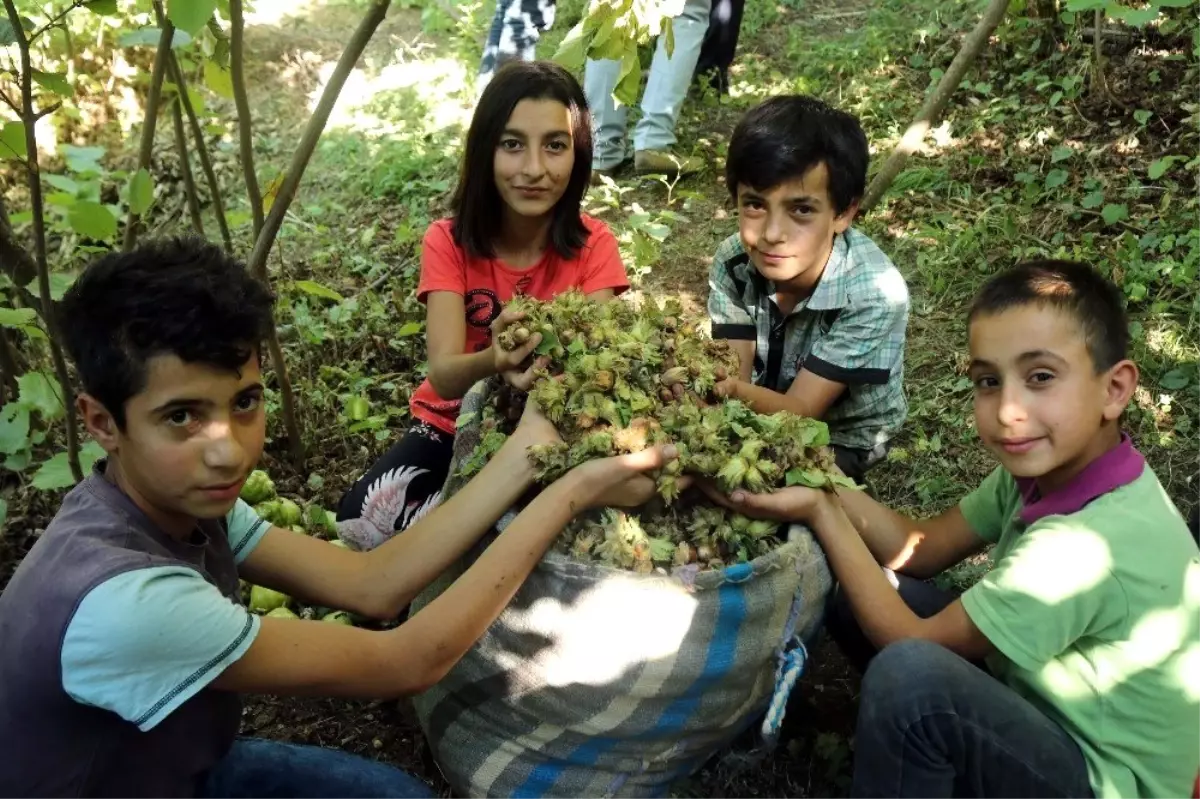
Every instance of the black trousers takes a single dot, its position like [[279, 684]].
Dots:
[[720, 43], [403, 485]]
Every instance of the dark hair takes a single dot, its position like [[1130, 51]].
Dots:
[[180, 296], [784, 137], [476, 204], [1074, 288]]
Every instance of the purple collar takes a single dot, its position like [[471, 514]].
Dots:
[[1120, 466]]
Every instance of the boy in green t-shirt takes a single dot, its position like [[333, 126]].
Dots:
[[1071, 668]]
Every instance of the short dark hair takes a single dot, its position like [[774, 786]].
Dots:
[[476, 203], [784, 137], [1074, 288], [180, 296]]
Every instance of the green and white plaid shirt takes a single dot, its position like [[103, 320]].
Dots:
[[850, 330]]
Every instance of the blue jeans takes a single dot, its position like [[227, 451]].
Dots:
[[931, 723], [666, 89], [258, 768]]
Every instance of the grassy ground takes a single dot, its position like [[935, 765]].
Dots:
[[1031, 159]]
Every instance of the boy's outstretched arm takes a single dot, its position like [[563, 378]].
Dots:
[[301, 657], [810, 395], [380, 583], [855, 553]]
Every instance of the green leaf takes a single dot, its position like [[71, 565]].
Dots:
[[7, 34], [59, 283], [626, 92], [105, 8], [357, 408], [3, 512], [61, 199], [1113, 213], [1160, 166], [317, 290], [93, 220], [571, 51], [56, 472], [1177, 378], [219, 79], [409, 329], [33, 332], [1061, 153], [549, 342], [1137, 17], [16, 317], [62, 183], [41, 392], [1056, 178], [190, 15], [1092, 200], [1142, 116], [83, 159], [1085, 5], [53, 82], [149, 37], [14, 428], [465, 419], [18, 461], [813, 478], [12, 141], [141, 192]]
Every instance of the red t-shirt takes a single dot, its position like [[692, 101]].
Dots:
[[488, 284]]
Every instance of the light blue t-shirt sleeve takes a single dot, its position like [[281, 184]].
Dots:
[[246, 529], [144, 642]]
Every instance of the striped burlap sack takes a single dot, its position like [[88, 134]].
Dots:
[[599, 682]]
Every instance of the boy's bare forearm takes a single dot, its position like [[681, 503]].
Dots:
[[453, 375], [765, 401], [886, 533], [399, 569], [293, 657], [448, 626]]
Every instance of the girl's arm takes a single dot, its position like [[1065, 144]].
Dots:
[[451, 371]]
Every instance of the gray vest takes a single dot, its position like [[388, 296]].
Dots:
[[51, 745]]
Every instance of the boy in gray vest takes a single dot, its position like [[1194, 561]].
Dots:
[[123, 642]]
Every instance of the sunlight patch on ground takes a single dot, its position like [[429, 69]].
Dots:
[[430, 93], [272, 12]]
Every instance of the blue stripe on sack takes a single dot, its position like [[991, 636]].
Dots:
[[722, 651]]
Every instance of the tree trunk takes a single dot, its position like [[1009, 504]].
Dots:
[[245, 127], [936, 103], [287, 192], [16, 263], [316, 125], [9, 368], [197, 133], [29, 118], [185, 166], [134, 223]]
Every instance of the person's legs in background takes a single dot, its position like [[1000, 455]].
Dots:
[[670, 77], [666, 89], [720, 44], [516, 28]]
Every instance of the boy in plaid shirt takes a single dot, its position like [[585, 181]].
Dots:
[[814, 308]]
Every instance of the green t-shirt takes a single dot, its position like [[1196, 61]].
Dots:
[[1096, 619]]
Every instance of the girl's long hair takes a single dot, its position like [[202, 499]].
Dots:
[[476, 205]]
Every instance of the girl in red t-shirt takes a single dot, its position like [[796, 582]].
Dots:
[[516, 229]]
